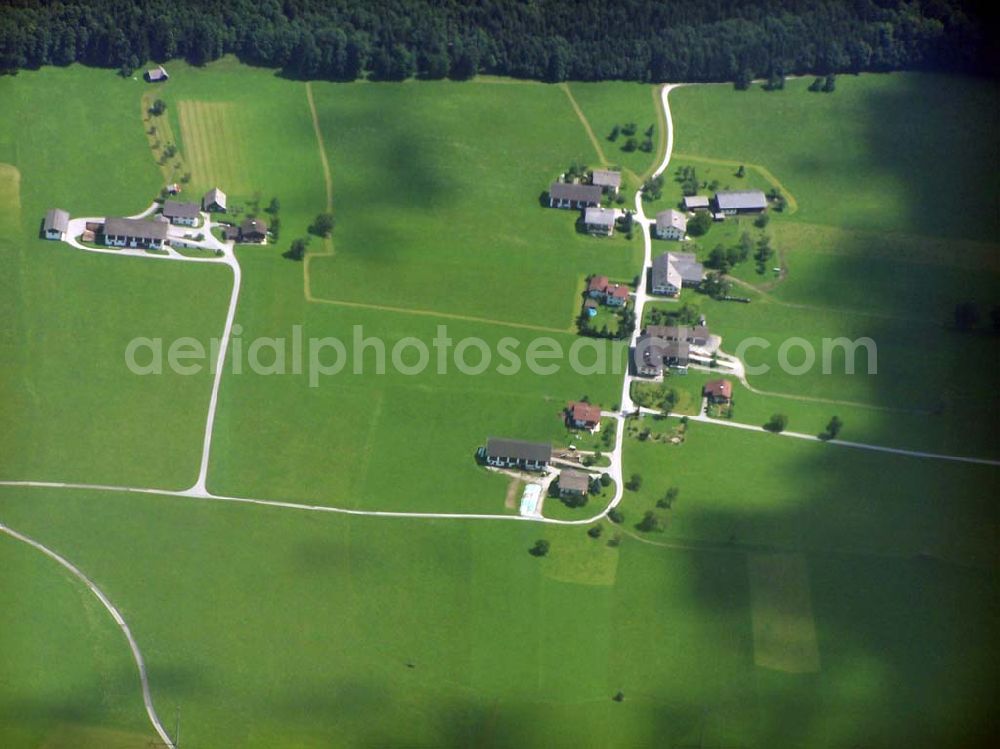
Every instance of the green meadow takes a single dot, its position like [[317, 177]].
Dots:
[[800, 594]]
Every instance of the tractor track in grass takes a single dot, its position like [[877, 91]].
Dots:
[[140, 663]]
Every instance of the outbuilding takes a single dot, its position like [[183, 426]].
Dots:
[[732, 202], [573, 483], [55, 224], [157, 74], [718, 391], [214, 201], [177, 212], [597, 220]]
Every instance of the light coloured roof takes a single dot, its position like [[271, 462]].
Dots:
[[575, 481], [696, 201], [671, 218], [215, 195], [599, 216], [606, 178], [56, 219], [740, 200]]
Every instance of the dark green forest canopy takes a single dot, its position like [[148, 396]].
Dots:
[[675, 40]]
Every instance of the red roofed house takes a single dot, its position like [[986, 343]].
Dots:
[[597, 286], [616, 296], [582, 415], [718, 391]]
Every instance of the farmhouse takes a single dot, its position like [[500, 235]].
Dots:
[[732, 202], [597, 286], [134, 232], [580, 415], [157, 74], [507, 453], [609, 181], [55, 224], [652, 353], [566, 195], [718, 391], [616, 295], [253, 230], [598, 220], [695, 335], [177, 212], [674, 270], [214, 201], [696, 203], [671, 224], [573, 483]]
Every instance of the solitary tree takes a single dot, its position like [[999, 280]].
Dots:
[[273, 207], [777, 423], [833, 428], [158, 108], [540, 549], [741, 172], [298, 249], [323, 225], [830, 84], [634, 482], [595, 531], [667, 501], [650, 523], [816, 85], [616, 516], [700, 224]]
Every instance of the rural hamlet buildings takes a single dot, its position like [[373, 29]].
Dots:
[[507, 453], [573, 195], [55, 224], [674, 270]]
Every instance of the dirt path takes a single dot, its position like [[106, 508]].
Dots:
[[119, 620], [586, 125], [328, 182]]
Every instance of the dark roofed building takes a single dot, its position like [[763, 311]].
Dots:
[[696, 335], [253, 230], [507, 453], [609, 181], [597, 286], [134, 232], [567, 195], [55, 224], [214, 201], [178, 212], [740, 201], [573, 482], [652, 353]]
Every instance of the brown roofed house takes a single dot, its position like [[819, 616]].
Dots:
[[597, 286], [718, 391], [581, 415], [573, 482], [253, 230]]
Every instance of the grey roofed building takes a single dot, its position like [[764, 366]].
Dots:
[[501, 447], [253, 227], [696, 335], [606, 178], [214, 200], [740, 200], [671, 219], [135, 227], [575, 482], [159, 73], [695, 202], [599, 216], [672, 266], [178, 209], [56, 220], [574, 193]]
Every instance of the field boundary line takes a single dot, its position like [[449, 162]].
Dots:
[[586, 124], [328, 183], [140, 663], [435, 313], [793, 204]]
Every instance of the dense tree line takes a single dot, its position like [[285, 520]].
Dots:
[[676, 40]]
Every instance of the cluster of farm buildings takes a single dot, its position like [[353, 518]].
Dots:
[[153, 234]]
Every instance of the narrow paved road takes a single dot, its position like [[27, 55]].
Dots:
[[119, 620]]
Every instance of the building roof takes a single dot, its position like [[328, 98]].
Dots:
[[673, 265], [606, 178], [618, 291], [695, 201], [56, 219], [740, 200], [719, 389], [678, 332], [179, 209], [670, 217], [599, 216], [590, 304], [135, 227], [598, 283], [500, 447], [159, 73], [585, 412], [575, 192], [215, 195], [574, 481], [253, 226]]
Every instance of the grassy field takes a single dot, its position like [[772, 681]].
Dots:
[[267, 627]]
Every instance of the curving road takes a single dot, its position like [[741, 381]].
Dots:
[[115, 614]]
